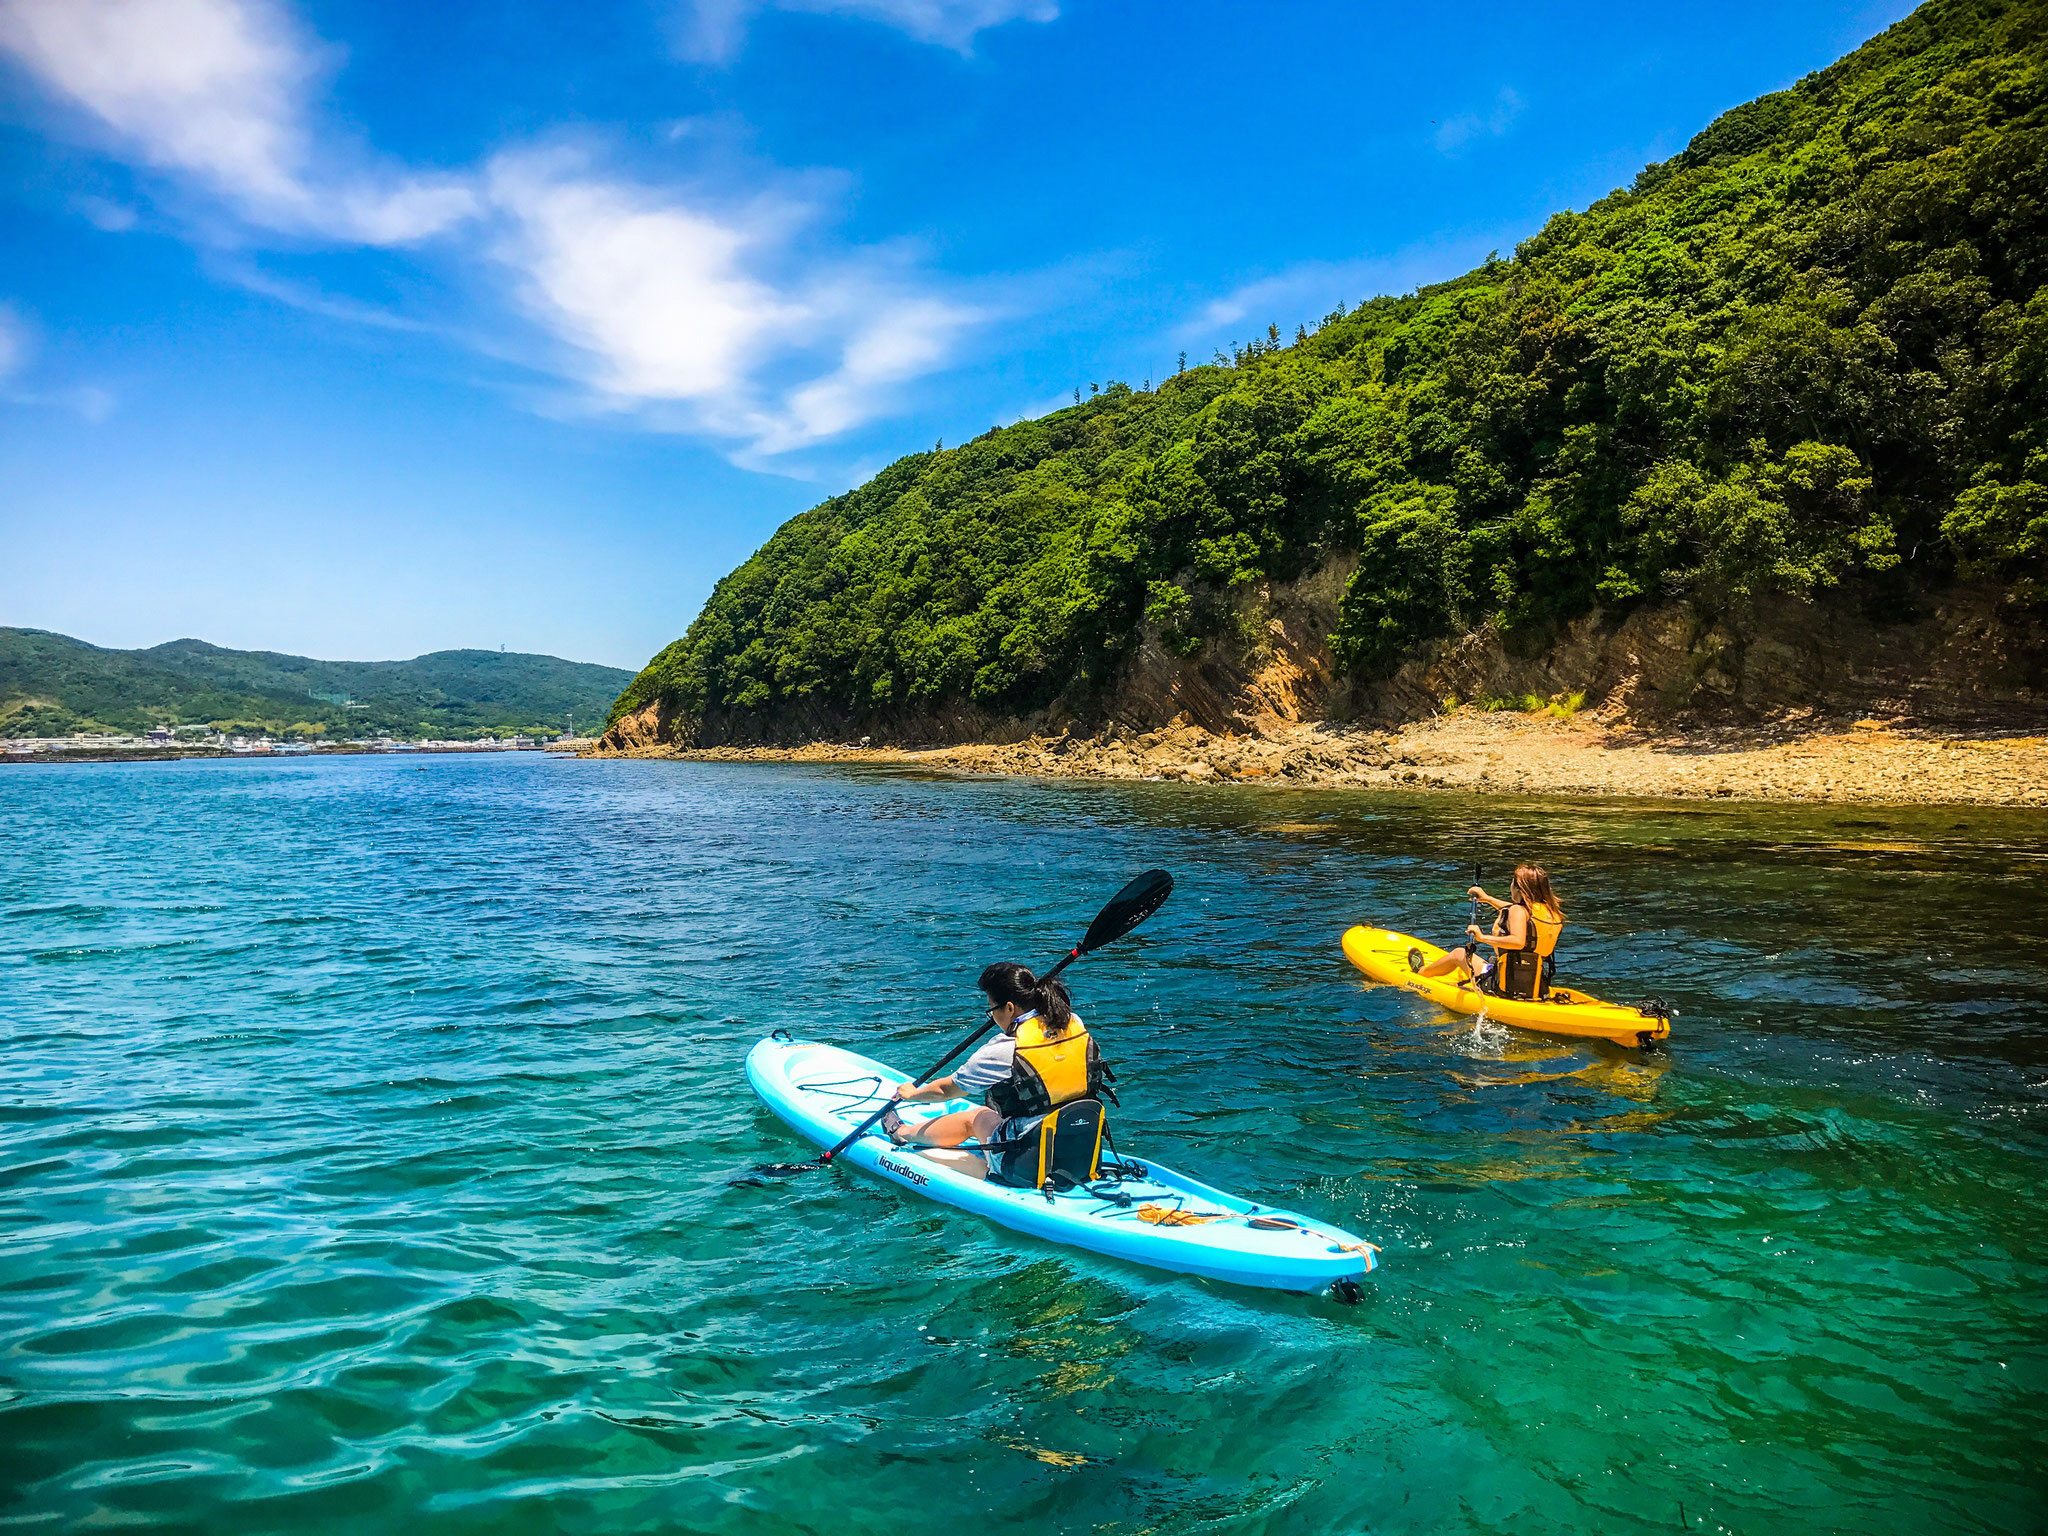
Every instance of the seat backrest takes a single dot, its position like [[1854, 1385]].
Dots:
[[1064, 1149]]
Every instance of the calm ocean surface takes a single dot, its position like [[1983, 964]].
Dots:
[[366, 1129]]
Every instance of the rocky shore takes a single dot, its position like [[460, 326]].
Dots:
[[1500, 752]]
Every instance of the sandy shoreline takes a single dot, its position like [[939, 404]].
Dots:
[[1862, 762]]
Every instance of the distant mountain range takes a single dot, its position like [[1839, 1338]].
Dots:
[[53, 685]]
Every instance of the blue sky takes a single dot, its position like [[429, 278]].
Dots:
[[359, 329]]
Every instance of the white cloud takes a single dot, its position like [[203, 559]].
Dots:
[[215, 90], [238, 268], [1457, 132], [654, 301], [713, 30], [663, 302], [653, 293], [899, 337]]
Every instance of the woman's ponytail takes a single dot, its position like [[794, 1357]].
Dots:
[[1008, 982], [1055, 1005]]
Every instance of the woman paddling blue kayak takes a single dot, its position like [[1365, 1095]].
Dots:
[[1140, 1211], [1035, 1155]]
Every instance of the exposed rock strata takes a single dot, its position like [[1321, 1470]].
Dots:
[[1964, 661]]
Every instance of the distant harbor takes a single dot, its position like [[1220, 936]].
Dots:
[[163, 745]]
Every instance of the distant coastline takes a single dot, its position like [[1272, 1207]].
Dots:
[[1826, 762], [64, 694], [142, 750]]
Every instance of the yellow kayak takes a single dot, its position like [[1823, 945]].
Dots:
[[1383, 955]]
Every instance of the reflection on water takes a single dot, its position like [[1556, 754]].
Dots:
[[366, 1138]]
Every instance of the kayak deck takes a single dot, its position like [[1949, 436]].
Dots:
[[823, 1091], [1382, 954]]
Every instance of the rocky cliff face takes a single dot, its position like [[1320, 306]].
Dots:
[[1272, 665], [1964, 661]]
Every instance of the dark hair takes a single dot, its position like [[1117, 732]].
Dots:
[[1008, 982]]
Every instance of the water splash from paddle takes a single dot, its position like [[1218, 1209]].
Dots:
[[1485, 1040]]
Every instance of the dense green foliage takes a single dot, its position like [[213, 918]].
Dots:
[[1812, 347], [52, 685]]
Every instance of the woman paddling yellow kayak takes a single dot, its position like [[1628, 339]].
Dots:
[[1524, 938], [1514, 985]]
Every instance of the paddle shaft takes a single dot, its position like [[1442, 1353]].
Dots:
[[1129, 907], [940, 1065]]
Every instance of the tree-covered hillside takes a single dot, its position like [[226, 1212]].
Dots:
[[1810, 350], [52, 685]]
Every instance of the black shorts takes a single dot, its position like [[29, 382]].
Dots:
[[1489, 979], [1477, 955]]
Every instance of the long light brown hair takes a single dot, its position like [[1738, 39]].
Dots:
[[1534, 885]]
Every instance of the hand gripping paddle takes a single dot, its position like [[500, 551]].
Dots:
[[1128, 908]]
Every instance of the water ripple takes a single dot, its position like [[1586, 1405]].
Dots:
[[366, 1136]]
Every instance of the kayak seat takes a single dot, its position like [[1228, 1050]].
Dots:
[[1062, 1150]]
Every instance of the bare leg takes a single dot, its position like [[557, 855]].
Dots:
[[973, 1164], [1459, 959], [951, 1130]]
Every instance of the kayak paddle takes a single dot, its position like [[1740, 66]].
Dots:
[[1127, 908]]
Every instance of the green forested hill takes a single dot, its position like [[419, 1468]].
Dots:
[[1811, 349], [51, 685]]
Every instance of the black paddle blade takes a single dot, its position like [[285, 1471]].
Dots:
[[1128, 908], [774, 1171]]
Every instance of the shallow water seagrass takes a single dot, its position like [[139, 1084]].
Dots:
[[365, 1129]]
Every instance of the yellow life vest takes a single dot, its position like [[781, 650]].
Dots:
[[1525, 972], [1049, 1072]]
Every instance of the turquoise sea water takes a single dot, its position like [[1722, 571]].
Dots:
[[366, 1130]]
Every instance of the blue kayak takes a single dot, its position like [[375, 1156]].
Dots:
[[1155, 1216]]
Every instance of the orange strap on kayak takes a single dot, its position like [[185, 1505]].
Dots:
[[1167, 1216]]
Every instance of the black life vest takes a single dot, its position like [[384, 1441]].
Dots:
[[1049, 1072], [1525, 972]]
